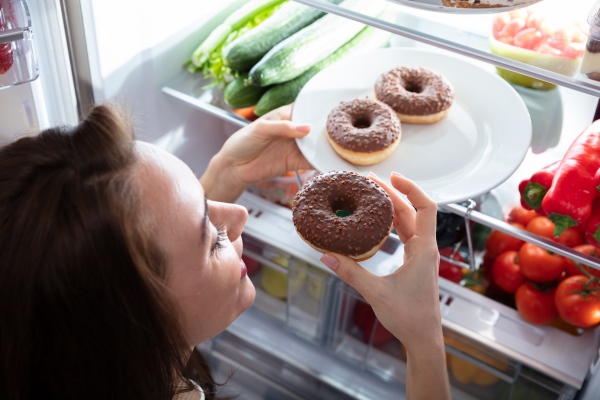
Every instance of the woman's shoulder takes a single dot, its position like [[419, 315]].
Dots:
[[196, 394]]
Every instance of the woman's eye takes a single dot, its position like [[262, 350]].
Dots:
[[221, 239]]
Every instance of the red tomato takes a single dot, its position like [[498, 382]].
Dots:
[[572, 269], [506, 272], [572, 237], [541, 226], [540, 265], [528, 38], [578, 301], [520, 215], [450, 271], [499, 242], [534, 305]]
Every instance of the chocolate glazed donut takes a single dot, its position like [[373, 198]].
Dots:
[[343, 212], [417, 94], [363, 131]]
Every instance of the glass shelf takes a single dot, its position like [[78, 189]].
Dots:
[[459, 41]]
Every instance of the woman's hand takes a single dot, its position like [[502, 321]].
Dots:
[[406, 302], [262, 150]]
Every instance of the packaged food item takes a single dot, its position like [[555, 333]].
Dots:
[[282, 189], [534, 36], [590, 65]]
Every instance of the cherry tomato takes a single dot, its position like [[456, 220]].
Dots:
[[506, 272], [572, 237], [578, 301], [541, 226], [450, 271], [540, 265], [534, 305], [499, 242], [520, 215], [571, 267]]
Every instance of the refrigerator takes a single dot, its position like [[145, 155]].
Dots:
[[299, 340]]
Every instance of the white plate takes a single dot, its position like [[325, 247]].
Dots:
[[439, 6], [477, 146]]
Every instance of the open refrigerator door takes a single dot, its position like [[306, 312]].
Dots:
[[308, 335]]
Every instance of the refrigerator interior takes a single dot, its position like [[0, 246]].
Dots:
[[300, 340]]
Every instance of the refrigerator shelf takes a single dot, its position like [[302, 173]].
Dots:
[[474, 46]]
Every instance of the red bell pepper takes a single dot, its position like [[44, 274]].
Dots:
[[569, 200], [534, 189]]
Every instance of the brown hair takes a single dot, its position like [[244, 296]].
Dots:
[[83, 308]]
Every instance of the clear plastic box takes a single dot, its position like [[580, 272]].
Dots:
[[18, 63], [288, 289], [475, 371]]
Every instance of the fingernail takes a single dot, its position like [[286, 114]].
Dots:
[[397, 174], [303, 128], [371, 173], [330, 261]]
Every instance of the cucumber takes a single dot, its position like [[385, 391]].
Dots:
[[311, 45], [286, 93], [239, 95], [245, 51], [235, 21]]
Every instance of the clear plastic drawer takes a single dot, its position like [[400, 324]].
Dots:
[[289, 289], [475, 371]]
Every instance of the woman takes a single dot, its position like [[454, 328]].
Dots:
[[115, 262]]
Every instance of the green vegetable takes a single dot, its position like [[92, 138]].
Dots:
[[286, 93], [214, 69], [311, 45], [247, 50], [232, 23], [239, 95]]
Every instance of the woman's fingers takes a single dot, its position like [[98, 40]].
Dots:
[[426, 216], [281, 113], [274, 129], [404, 214]]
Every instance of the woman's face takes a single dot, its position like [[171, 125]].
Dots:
[[202, 241]]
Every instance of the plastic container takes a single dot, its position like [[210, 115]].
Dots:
[[590, 65], [18, 63], [533, 37]]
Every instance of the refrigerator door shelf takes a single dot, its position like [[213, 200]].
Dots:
[[18, 62]]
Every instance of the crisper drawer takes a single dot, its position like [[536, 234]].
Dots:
[[476, 370], [289, 289]]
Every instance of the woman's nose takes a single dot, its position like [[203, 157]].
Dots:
[[238, 216]]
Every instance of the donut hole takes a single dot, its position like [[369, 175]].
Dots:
[[413, 87], [362, 122], [342, 209]]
